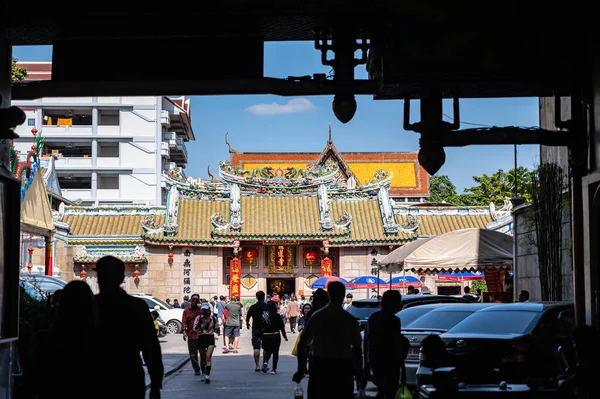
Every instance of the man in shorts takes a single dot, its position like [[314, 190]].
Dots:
[[255, 313], [233, 324]]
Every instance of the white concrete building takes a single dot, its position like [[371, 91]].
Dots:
[[108, 150]]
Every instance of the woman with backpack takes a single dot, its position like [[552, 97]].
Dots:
[[273, 328]]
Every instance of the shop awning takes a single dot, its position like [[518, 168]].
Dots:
[[463, 250], [394, 262]]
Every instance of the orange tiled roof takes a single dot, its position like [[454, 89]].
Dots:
[[409, 178]]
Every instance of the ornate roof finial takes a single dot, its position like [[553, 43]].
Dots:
[[213, 179], [231, 149], [330, 140]]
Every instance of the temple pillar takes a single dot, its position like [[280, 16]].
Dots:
[[49, 259]]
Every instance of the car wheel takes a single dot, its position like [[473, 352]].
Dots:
[[173, 327]]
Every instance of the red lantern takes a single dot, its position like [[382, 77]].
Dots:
[[136, 272], [34, 131], [311, 257], [83, 272], [170, 259], [30, 249]]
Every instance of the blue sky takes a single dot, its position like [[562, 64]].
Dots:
[[289, 124]]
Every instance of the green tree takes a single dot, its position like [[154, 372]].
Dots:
[[18, 73], [441, 189], [494, 188]]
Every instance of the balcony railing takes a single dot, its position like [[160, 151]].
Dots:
[[108, 194], [108, 162], [81, 130], [75, 194], [73, 162]]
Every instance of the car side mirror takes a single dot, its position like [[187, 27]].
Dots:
[[157, 308]]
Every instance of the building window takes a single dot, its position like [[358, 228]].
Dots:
[[31, 122], [108, 182], [108, 117], [108, 150]]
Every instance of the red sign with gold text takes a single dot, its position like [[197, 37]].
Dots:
[[235, 277], [326, 267], [494, 279]]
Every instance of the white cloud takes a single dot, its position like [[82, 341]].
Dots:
[[293, 105]]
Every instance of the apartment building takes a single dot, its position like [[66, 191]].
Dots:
[[108, 150]]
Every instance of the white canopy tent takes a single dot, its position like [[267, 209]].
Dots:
[[463, 250], [394, 261]]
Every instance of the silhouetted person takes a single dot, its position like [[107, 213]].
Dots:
[[126, 329], [383, 346], [335, 344], [255, 314], [524, 296], [468, 296], [273, 329], [76, 318], [434, 352]]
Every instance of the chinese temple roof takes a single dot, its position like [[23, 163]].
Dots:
[[409, 179], [270, 204]]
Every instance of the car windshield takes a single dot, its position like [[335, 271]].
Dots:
[[407, 316], [441, 320], [166, 305], [497, 322], [31, 291], [362, 310]]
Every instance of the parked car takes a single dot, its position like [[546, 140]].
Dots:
[[31, 290], [439, 319], [361, 309], [172, 316], [46, 284], [518, 339]]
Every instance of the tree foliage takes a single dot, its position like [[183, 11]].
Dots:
[[487, 189], [441, 189], [18, 73]]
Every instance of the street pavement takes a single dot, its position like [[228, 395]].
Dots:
[[233, 375], [174, 354]]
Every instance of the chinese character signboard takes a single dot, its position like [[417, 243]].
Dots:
[[281, 259], [235, 277], [326, 265], [494, 279], [187, 273]]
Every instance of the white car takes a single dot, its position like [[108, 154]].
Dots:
[[171, 316]]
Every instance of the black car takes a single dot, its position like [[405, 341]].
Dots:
[[361, 309], [436, 319], [518, 339]]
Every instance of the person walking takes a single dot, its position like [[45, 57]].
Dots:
[[76, 316], [333, 336], [255, 314], [306, 308], [206, 326], [189, 334], [233, 324], [348, 301], [383, 345], [121, 372], [293, 313], [273, 328]]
